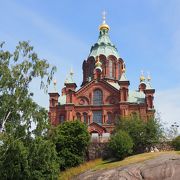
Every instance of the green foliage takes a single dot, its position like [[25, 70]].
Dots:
[[144, 134], [121, 144], [71, 139], [153, 132], [37, 160], [24, 157], [176, 143], [17, 70], [14, 160], [43, 159]]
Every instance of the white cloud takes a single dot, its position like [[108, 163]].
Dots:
[[167, 102]]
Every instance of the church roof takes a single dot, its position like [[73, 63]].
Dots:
[[136, 97], [123, 77], [69, 78], [116, 85], [62, 100], [104, 46]]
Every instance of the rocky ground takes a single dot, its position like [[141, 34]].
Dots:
[[164, 167]]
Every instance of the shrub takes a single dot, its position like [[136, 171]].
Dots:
[[144, 134], [176, 143], [121, 144], [36, 160], [71, 139], [43, 159], [14, 161]]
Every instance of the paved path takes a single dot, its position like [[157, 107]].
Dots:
[[164, 167]]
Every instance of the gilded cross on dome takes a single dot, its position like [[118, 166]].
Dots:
[[71, 71], [104, 17], [148, 76], [104, 25], [142, 78]]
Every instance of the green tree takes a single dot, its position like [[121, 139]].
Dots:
[[43, 159], [176, 143], [154, 132], [144, 134], [14, 160], [17, 70], [71, 139], [25, 154], [121, 144]]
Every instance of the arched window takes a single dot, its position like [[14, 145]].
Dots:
[[109, 118], [97, 97], [91, 70], [116, 117], [150, 102], [85, 118], [78, 115], [97, 117]]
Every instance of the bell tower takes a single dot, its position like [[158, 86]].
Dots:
[[105, 50]]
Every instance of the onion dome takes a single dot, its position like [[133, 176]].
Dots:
[[69, 78], [104, 45], [142, 78]]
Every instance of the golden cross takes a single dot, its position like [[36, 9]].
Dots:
[[104, 16]]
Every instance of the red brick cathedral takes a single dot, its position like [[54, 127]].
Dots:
[[104, 94]]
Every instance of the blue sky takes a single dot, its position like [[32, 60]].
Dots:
[[146, 33]]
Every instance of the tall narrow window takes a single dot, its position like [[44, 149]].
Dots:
[[110, 118], [97, 117], [97, 97], [85, 117], [119, 67], [110, 69], [61, 118], [91, 69], [116, 117], [78, 115]]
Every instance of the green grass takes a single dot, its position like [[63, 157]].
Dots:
[[178, 152], [69, 173], [102, 165], [129, 160]]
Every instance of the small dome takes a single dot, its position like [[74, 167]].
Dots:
[[98, 68], [142, 78], [104, 26]]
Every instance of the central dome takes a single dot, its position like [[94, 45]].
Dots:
[[104, 45]]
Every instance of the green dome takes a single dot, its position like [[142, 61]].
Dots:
[[104, 46]]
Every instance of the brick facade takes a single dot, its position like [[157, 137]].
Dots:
[[103, 74]]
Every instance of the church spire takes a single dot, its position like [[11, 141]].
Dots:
[[142, 78], [123, 76], [69, 78], [148, 84], [104, 26], [55, 83]]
